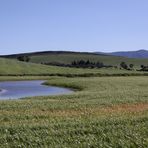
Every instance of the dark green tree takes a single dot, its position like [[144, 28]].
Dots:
[[23, 58], [131, 66], [123, 65], [142, 66]]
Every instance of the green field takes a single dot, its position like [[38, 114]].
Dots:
[[103, 112], [13, 67], [67, 58]]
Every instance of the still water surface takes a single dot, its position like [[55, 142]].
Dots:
[[21, 89]]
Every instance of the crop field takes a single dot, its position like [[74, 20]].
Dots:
[[102, 112]]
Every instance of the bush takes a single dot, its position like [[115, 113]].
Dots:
[[124, 65], [23, 58]]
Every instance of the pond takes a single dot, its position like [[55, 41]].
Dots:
[[21, 89]]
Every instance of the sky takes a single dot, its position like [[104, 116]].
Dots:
[[73, 25]]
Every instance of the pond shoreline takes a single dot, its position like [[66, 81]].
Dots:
[[31, 88]]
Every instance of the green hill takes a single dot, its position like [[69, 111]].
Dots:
[[8, 66], [68, 57], [14, 67]]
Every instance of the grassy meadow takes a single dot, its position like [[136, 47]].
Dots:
[[67, 58], [11, 67], [108, 108], [102, 112]]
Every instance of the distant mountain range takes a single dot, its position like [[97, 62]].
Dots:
[[129, 54]]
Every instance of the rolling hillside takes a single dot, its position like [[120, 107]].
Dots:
[[14, 67], [68, 57]]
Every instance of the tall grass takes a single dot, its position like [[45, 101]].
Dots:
[[103, 112]]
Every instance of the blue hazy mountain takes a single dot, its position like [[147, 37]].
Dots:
[[130, 54]]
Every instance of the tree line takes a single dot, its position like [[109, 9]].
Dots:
[[126, 66], [80, 64], [131, 66], [88, 64], [144, 68]]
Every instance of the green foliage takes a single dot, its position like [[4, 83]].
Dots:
[[144, 68], [23, 58], [88, 64], [123, 65], [131, 66]]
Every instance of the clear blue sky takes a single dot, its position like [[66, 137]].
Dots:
[[78, 25]]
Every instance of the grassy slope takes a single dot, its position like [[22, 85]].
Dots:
[[13, 67], [16, 67], [67, 58], [107, 112]]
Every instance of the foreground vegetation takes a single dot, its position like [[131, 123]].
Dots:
[[103, 112]]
